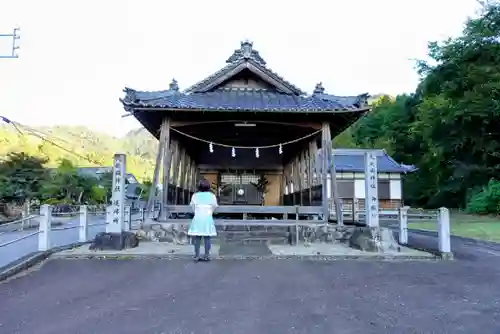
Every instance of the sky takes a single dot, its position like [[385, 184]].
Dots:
[[76, 57]]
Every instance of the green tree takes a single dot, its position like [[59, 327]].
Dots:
[[460, 110], [21, 177]]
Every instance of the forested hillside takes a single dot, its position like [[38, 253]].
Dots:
[[81, 146]]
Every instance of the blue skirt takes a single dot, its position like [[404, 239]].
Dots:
[[202, 226]]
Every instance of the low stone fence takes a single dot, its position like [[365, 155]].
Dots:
[[310, 231]]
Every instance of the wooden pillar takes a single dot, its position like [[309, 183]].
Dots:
[[288, 178], [334, 187], [282, 186], [156, 174], [319, 167], [192, 176], [325, 141], [295, 180], [312, 150], [334, 194], [184, 174], [176, 155], [300, 168], [188, 174], [305, 173], [167, 155]]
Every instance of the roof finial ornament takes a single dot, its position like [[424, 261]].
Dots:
[[246, 48], [173, 85], [244, 53], [319, 89]]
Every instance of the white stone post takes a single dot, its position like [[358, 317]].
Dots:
[[371, 190], [115, 225], [24, 215], [444, 230], [45, 227], [403, 225], [109, 216], [355, 210], [23, 219], [83, 231], [340, 217], [127, 218]]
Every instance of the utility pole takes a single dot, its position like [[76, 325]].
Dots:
[[15, 37]]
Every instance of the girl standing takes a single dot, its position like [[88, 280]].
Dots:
[[203, 203]]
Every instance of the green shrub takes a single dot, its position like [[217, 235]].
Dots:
[[55, 201], [486, 200]]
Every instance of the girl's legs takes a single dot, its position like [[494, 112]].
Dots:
[[208, 245], [197, 244]]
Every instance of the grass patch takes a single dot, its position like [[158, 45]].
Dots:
[[469, 226]]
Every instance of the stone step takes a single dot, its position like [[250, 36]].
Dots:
[[252, 241], [273, 237], [252, 228], [253, 233]]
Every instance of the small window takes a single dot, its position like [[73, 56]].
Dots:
[[384, 189]]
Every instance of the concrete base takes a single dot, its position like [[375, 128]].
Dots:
[[342, 251], [318, 251], [447, 256], [144, 248], [373, 239]]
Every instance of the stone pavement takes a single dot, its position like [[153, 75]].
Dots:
[[319, 250]]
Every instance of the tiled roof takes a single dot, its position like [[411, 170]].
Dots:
[[241, 99], [353, 161], [245, 57], [209, 95], [96, 171]]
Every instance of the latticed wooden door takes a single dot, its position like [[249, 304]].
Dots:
[[237, 189]]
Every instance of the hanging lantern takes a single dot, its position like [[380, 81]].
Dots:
[[211, 147], [257, 152], [233, 152], [280, 150]]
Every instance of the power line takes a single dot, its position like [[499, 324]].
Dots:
[[15, 37], [8, 121], [43, 137]]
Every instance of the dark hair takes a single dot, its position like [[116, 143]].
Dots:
[[204, 185]]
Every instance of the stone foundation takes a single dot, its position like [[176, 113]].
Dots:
[[373, 239], [165, 232], [177, 233], [324, 233], [362, 238]]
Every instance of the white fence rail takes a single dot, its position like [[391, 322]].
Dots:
[[20, 224], [404, 215], [440, 217], [45, 225], [46, 229]]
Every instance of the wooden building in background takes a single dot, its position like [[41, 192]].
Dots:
[[349, 167], [250, 132]]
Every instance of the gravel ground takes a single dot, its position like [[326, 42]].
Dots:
[[259, 296]]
